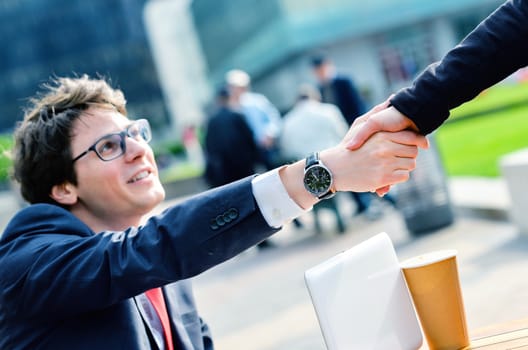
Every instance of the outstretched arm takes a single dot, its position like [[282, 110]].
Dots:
[[386, 158], [494, 50]]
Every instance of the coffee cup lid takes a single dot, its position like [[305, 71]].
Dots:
[[428, 258]]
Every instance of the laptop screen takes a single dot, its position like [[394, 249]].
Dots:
[[361, 300]]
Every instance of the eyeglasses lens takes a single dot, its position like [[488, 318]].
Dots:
[[113, 146], [110, 147]]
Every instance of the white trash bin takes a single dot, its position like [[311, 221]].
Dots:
[[514, 168]]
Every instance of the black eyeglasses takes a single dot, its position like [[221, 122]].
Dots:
[[112, 146]]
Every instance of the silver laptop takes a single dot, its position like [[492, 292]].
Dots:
[[361, 299]]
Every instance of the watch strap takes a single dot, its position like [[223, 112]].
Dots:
[[331, 192], [312, 159]]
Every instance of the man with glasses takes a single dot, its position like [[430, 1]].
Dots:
[[84, 267]]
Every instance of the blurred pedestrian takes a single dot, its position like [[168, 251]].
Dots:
[[311, 125], [193, 148], [231, 151], [341, 91], [338, 89], [262, 116]]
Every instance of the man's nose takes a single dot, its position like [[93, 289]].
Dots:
[[135, 148]]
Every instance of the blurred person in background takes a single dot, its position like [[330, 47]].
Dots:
[[86, 266], [340, 90], [311, 125], [193, 148], [231, 151], [262, 116]]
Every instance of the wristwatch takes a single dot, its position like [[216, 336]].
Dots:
[[318, 179]]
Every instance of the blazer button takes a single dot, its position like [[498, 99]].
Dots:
[[213, 225], [226, 217], [220, 220], [233, 213]]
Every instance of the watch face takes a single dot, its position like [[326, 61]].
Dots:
[[317, 180]]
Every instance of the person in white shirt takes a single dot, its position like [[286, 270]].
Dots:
[[310, 125]]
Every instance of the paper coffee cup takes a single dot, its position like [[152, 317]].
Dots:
[[434, 285]]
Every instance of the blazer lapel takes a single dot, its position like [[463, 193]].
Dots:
[[175, 299], [144, 310]]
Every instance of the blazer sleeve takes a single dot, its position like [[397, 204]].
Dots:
[[52, 264], [493, 51]]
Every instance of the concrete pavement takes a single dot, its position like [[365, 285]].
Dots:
[[258, 300]]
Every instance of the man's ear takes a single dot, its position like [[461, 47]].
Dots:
[[64, 193]]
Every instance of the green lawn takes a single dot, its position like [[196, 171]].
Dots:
[[472, 147], [497, 96], [180, 171], [6, 143], [469, 146]]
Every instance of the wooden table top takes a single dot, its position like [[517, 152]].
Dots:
[[502, 336]]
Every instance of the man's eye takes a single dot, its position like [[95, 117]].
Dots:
[[107, 147], [137, 133], [132, 129]]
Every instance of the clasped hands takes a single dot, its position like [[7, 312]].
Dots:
[[379, 150]]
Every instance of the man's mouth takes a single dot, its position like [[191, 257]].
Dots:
[[139, 176]]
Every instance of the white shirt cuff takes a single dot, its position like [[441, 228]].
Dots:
[[273, 200]]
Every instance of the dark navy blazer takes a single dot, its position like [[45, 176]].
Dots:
[[493, 51], [64, 287]]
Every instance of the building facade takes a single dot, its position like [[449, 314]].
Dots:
[[169, 55], [179, 60], [382, 44], [42, 39]]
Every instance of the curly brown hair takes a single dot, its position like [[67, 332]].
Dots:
[[42, 151]]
